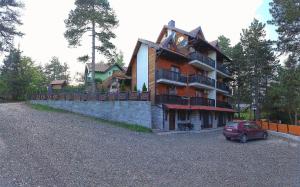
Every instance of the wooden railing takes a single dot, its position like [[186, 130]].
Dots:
[[223, 69], [170, 75], [202, 58], [179, 100], [223, 86], [202, 80], [278, 127], [121, 96], [223, 104]]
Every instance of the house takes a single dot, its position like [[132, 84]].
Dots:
[[114, 83], [102, 71], [58, 84], [187, 78]]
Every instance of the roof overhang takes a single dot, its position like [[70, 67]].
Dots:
[[198, 107]]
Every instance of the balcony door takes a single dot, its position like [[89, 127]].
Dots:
[[175, 73]]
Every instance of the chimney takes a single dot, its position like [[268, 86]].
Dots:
[[171, 23]]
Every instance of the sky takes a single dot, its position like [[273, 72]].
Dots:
[[44, 24]]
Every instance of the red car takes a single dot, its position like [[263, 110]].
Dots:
[[244, 131]]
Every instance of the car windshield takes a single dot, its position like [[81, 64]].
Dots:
[[232, 124]]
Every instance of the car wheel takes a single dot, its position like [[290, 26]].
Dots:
[[243, 138], [265, 136], [228, 138]]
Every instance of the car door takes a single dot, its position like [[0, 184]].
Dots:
[[249, 130], [256, 130]]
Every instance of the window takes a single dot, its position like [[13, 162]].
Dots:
[[183, 115], [175, 69], [175, 73]]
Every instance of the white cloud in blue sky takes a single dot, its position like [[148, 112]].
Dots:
[[44, 24]]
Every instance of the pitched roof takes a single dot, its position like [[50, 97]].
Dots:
[[102, 67], [58, 82], [197, 31]]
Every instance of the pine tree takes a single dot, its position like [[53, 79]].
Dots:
[[55, 70], [286, 16], [9, 19], [260, 62], [95, 17], [225, 46]]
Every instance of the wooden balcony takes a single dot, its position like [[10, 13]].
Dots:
[[223, 70], [200, 81], [223, 104], [170, 77], [223, 87], [201, 61], [179, 100], [202, 101]]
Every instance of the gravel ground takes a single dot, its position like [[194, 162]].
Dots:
[[62, 149]]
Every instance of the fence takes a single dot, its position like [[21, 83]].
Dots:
[[121, 96], [278, 127]]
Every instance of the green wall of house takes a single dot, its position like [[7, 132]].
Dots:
[[105, 75]]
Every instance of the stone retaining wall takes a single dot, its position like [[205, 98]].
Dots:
[[131, 112]]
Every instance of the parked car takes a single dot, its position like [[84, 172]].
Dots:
[[244, 131]]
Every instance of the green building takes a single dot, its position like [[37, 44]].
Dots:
[[102, 71]]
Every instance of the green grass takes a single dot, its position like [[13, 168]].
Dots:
[[128, 126], [45, 108]]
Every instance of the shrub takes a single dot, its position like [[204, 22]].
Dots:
[[144, 87]]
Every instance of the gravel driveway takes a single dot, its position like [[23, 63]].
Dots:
[[62, 149]]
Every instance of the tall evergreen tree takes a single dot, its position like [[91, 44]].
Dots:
[[225, 45], [9, 19], [95, 17], [260, 62], [286, 16], [55, 70]]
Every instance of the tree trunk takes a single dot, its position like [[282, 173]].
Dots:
[[291, 118], [93, 57]]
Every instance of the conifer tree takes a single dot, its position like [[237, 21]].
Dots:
[[97, 18]]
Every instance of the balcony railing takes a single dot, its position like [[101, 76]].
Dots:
[[170, 75], [202, 58], [202, 101], [171, 99], [223, 86], [223, 104], [202, 80], [174, 99], [223, 69]]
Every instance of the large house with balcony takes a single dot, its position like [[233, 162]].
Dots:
[[187, 78]]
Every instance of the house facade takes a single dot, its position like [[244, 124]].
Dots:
[[102, 71], [187, 78]]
